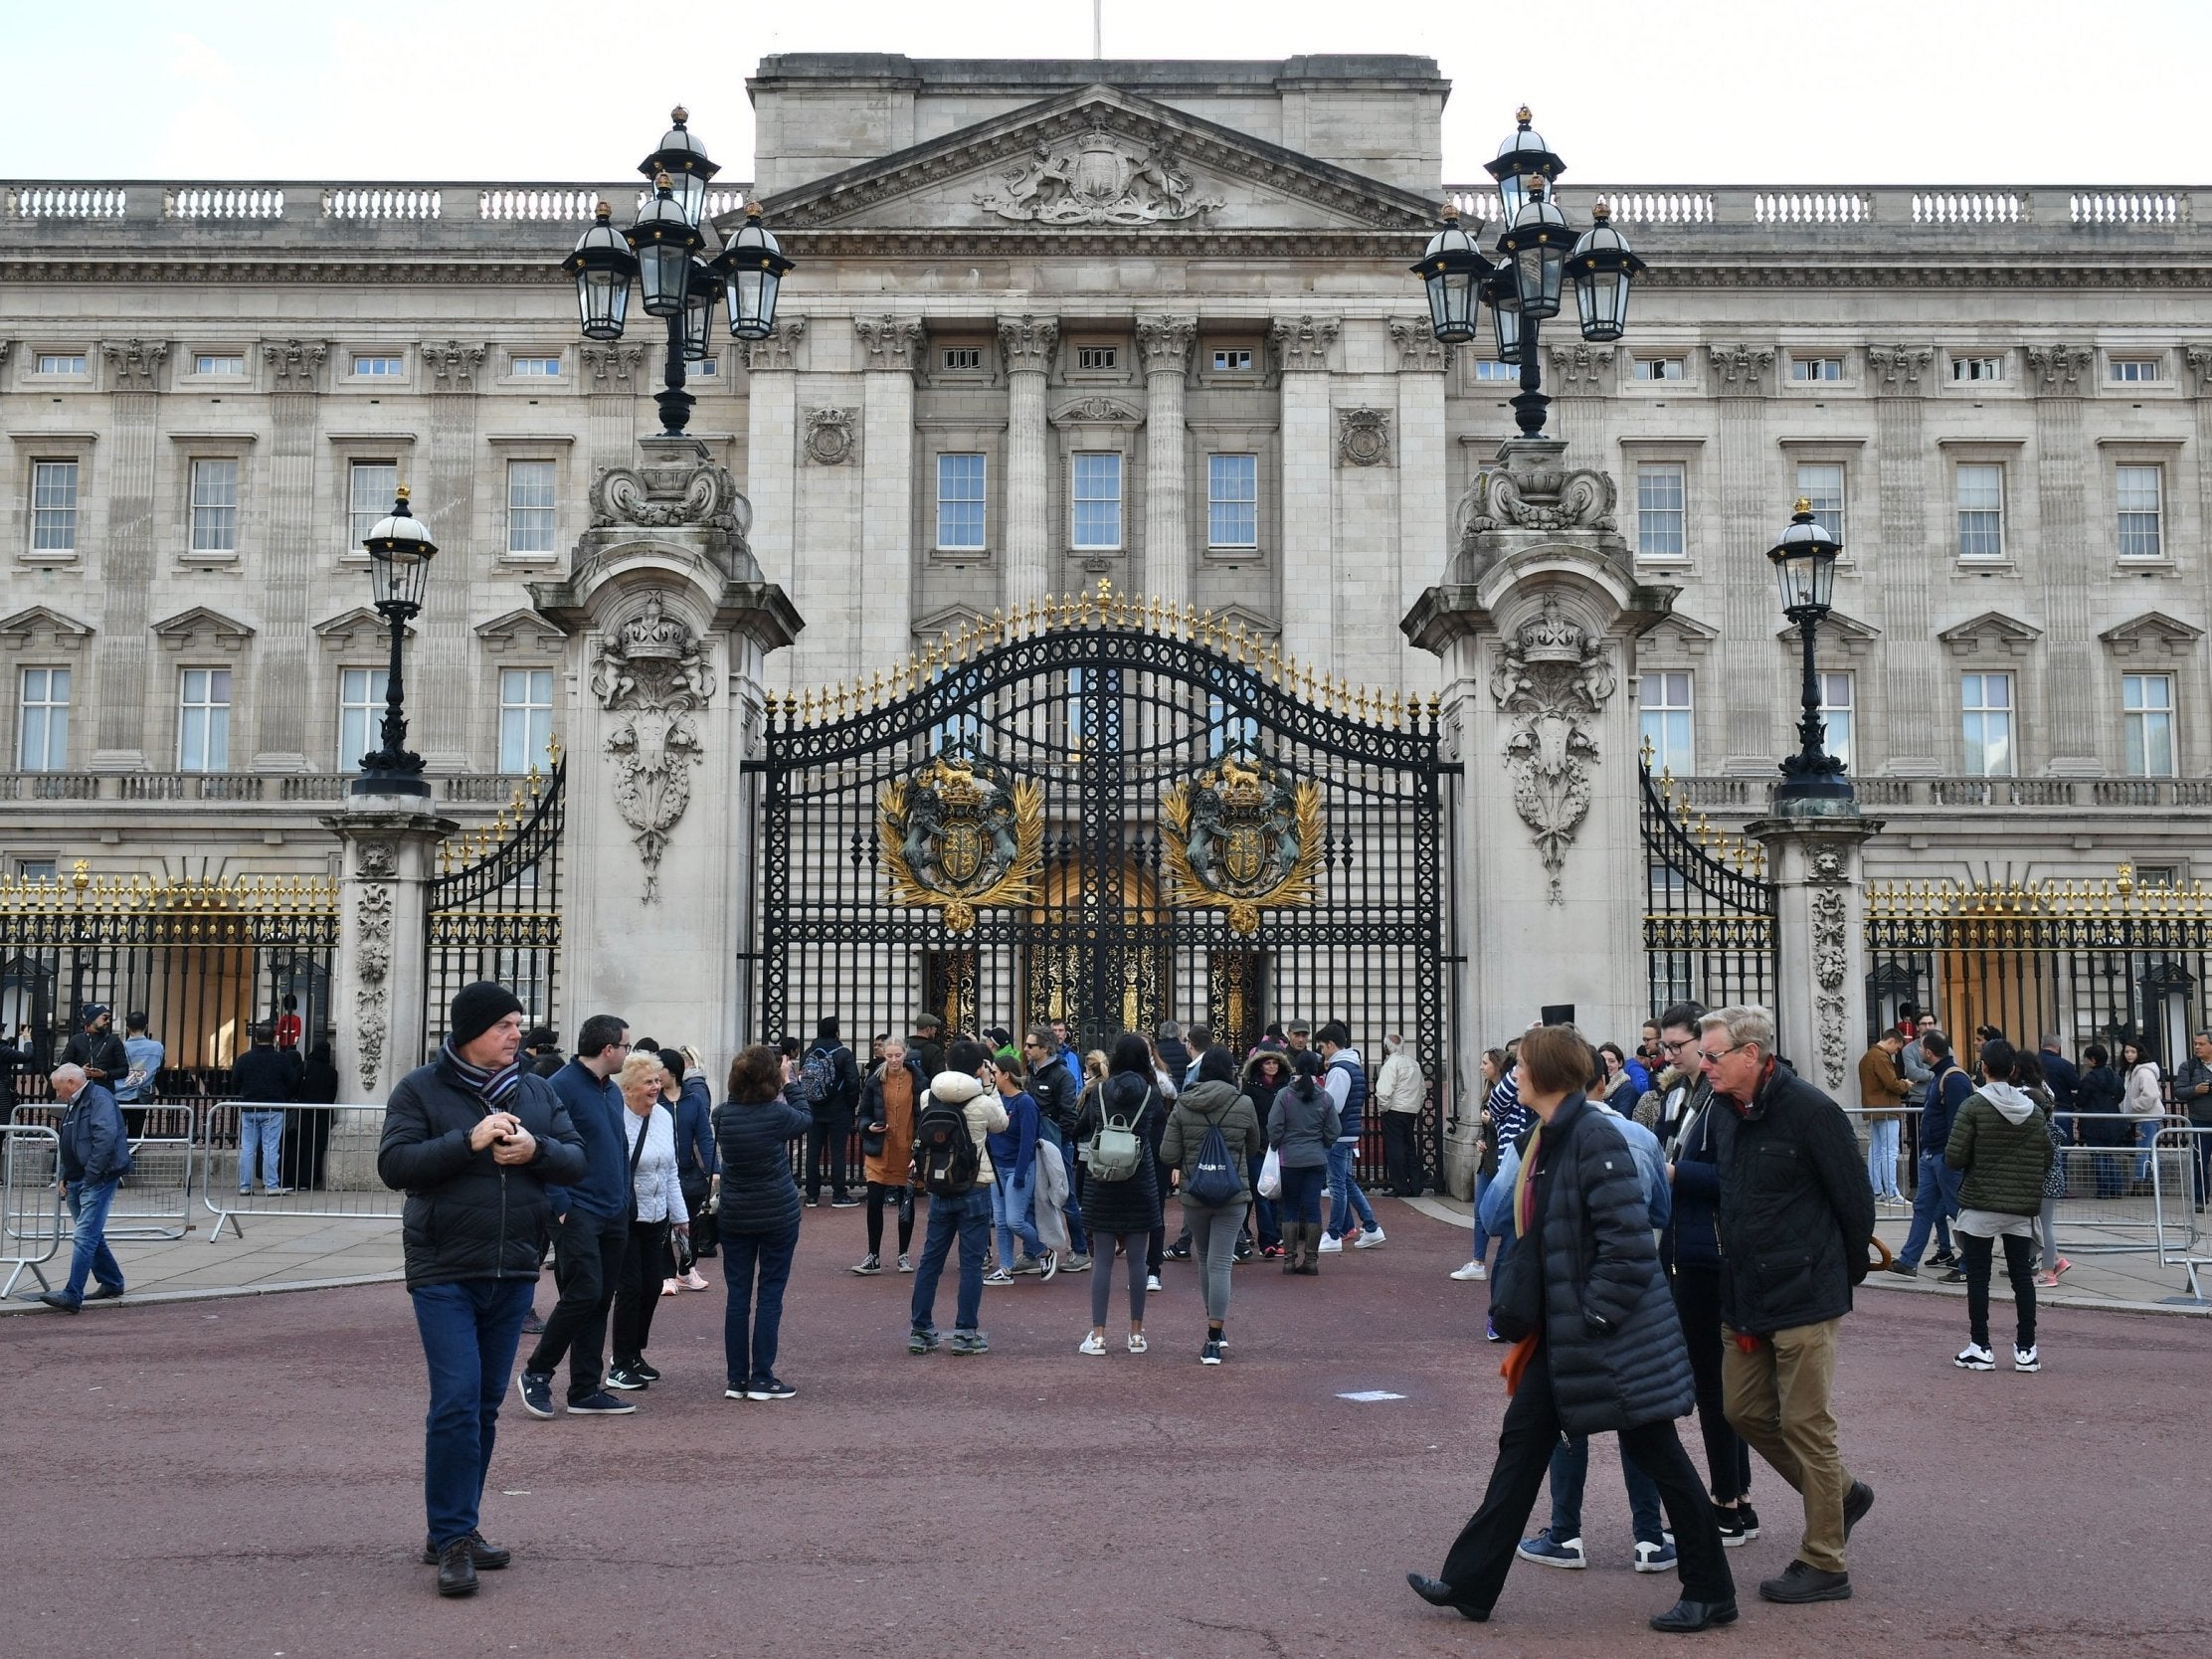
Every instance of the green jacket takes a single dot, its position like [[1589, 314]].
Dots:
[[2004, 1151], [1198, 1109]]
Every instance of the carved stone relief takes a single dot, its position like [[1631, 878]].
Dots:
[[1098, 178], [830, 438], [1165, 344], [695, 492], [453, 366], [1364, 437], [1303, 342], [1551, 683], [1830, 959], [615, 363], [779, 350], [136, 365], [1739, 370], [1537, 498], [295, 364], [1582, 368], [372, 925], [1418, 348], [1027, 343], [892, 344], [653, 671], [1899, 367], [376, 860], [2058, 367]]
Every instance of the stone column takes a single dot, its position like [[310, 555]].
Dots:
[[612, 386], [389, 850], [127, 572], [1815, 866], [2069, 675], [1747, 689], [1907, 725], [448, 501], [881, 604], [1423, 478], [296, 535], [1582, 377], [1027, 343], [771, 456], [1164, 345], [1301, 349], [669, 624]]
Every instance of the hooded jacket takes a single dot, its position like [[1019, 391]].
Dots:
[[1199, 1108], [1302, 1128], [2002, 1143]]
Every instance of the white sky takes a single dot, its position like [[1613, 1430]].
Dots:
[[1881, 91]]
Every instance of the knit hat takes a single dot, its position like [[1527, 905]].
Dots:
[[479, 1006], [955, 1088], [90, 1013]]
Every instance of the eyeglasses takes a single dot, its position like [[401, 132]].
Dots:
[[1707, 1056], [1675, 1046]]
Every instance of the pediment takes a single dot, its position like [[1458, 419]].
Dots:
[[2152, 635], [1677, 634], [357, 628], [1098, 410], [1992, 632], [1100, 161], [42, 626], [200, 623], [1838, 631], [521, 630]]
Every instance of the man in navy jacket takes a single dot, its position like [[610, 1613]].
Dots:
[[96, 1153], [1936, 1198]]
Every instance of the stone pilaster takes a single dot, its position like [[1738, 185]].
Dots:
[[2064, 463], [1749, 692], [879, 621], [772, 460], [1164, 345], [127, 569], [1301, 350], [447, 655], [611, 387], [389, 844], [1027, 343], [1581, 378], [1815, 866], [1424, 472], [1901, 725], [296, 536]]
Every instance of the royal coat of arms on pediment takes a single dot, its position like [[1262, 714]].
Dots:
[[1242, 838], [1099, 177], [961, 834]]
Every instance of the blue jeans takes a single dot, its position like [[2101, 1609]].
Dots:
[[90, 1256], [755, 1316], [966, 1219], [1343, 1188], [1482, 1234], [2146, 1134], [1881, 1158], [469, 1332], [1570, 1469], [1302, 1195], [1934, 1203], [264, 1129], [1010, 1203]]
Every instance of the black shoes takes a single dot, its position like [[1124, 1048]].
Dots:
[[1856, 1503], [626, 1381], [536, 1390], [104, 1293], [457, 1568], [1801, 1581], [1686, 1616], [487, 1557], [1437, 1593], [60, 1301], [1903, 1270], [649, 1372]]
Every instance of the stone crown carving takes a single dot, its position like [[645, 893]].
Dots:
[[1418, 348], [1582, 367], [1364, 437], [779, 350], [1301, 343], [1898, 366], [654, 670], [1739, 370], [829, 437], [135, 364], [294, 365], [1552, 681], [1098, 177], [692, 490], [893, 344]]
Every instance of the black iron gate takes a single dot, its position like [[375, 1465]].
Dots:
[[1710, 918], [494, 910], [1113, 813]]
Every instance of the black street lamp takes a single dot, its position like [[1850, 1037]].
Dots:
[[400, 551], [1538, 254], [661, 250], [1813, 781]]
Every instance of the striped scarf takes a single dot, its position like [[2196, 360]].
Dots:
[[497, 1088]]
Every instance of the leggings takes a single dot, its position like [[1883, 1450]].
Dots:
[[1213, 1234], [1102, 1273], [880, 1195], [2047, 1231], [2019, 1267]]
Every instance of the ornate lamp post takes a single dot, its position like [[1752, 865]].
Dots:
[[1813, 781], [1538, 254], [661, 250], [400, 551]]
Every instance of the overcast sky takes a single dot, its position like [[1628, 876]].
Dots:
[[1882, 91]]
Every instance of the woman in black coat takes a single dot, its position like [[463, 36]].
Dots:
[[753, 1132], [1124, 1212], [1597, 1345]]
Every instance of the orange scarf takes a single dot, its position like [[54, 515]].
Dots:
[[1517, 1358]]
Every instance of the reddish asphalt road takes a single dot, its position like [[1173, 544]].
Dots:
[[242, 1479]]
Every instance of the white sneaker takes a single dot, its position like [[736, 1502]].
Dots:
[[693, 1280], [1330, 1246], [998, 1276], [1974, 1356], [1092, 1343], [667, 1287], [1137, 1343], [2026, 1359], [906, 1265], [1368, 1239], [1473, 1271], [1152, 1282]]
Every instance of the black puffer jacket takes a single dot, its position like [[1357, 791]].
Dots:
[[1610, 1333], [1797, 1209], [1131, 1205], [469, 1216], [753, 1140]]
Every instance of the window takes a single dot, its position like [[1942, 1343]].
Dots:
[[1233, 500], [42, 737], [2133, 369], [1235, 361], [204, 720], [215, 505], [963, 357], [61, 362], [1665, 713], [371, 487], [525, 717], [530, 506], [1816, 368], [535, 368], [1821, 483], [1096, 357], [1987, 703], [2139, 491], [35, 870], [1489, 368], [1655, 368], [378, 367], [1228, 732], [1096, 500], [1980, 511], [218, 363], [960, 511], [54, 506], [1837, 698], [1661, 503], [704, 368], [360, 709], [2146, 712], [1978, 368]]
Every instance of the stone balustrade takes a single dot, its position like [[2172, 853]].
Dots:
[[477, 789], [242, 201], [1748, 795], [1933, 208]]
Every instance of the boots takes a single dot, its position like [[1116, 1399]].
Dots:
[[1294, 1237]]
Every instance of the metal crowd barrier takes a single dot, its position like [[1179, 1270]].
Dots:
[[31, 1212], [326, 1166], [155, 1199], [2183, 1245]]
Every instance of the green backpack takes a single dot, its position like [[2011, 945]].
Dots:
[[1117, 1149]]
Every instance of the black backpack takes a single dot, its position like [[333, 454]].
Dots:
[[945, 1154], [1214, 1177]]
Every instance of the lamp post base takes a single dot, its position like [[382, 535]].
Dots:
[[1815, 794], [389, 783]]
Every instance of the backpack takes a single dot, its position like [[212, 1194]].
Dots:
[[945, 1156], [818, 1075], [1117, 1150], [1214, 1177]]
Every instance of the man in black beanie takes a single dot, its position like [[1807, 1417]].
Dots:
[[473, 1140]]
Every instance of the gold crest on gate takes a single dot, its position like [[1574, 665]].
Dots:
[[1242, 839], [961, 834]]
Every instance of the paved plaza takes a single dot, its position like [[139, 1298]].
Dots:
[[240, 1476]]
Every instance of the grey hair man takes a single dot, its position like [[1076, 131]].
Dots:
[[96, 1155], [1797, 1214]]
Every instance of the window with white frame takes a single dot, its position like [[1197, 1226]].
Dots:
[[1667, 716], [1980, 511], [535, 366], [2140, 492], [371, 487], [2146, 718], [1662, 509], [1231, 360], [42, 725], [1985, 701], [1654, 368], [61, 362], [218, 362], [1821, 483], [531, 485], [35, 870], [708, 367], [525, 717], [1095, 500], [1815, 368], [1977, 368], [960, 502], [1233, 500], [2134, 369], [1838, 709], [360, 709], [54, 506], [1226, 731], [1489, 368], [378, 366], [204, 720], [215, 505]]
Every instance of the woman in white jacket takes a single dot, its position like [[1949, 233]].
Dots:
[[2143, 1102]]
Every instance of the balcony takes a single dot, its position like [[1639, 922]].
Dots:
[[1751, 797], [308, 789]]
